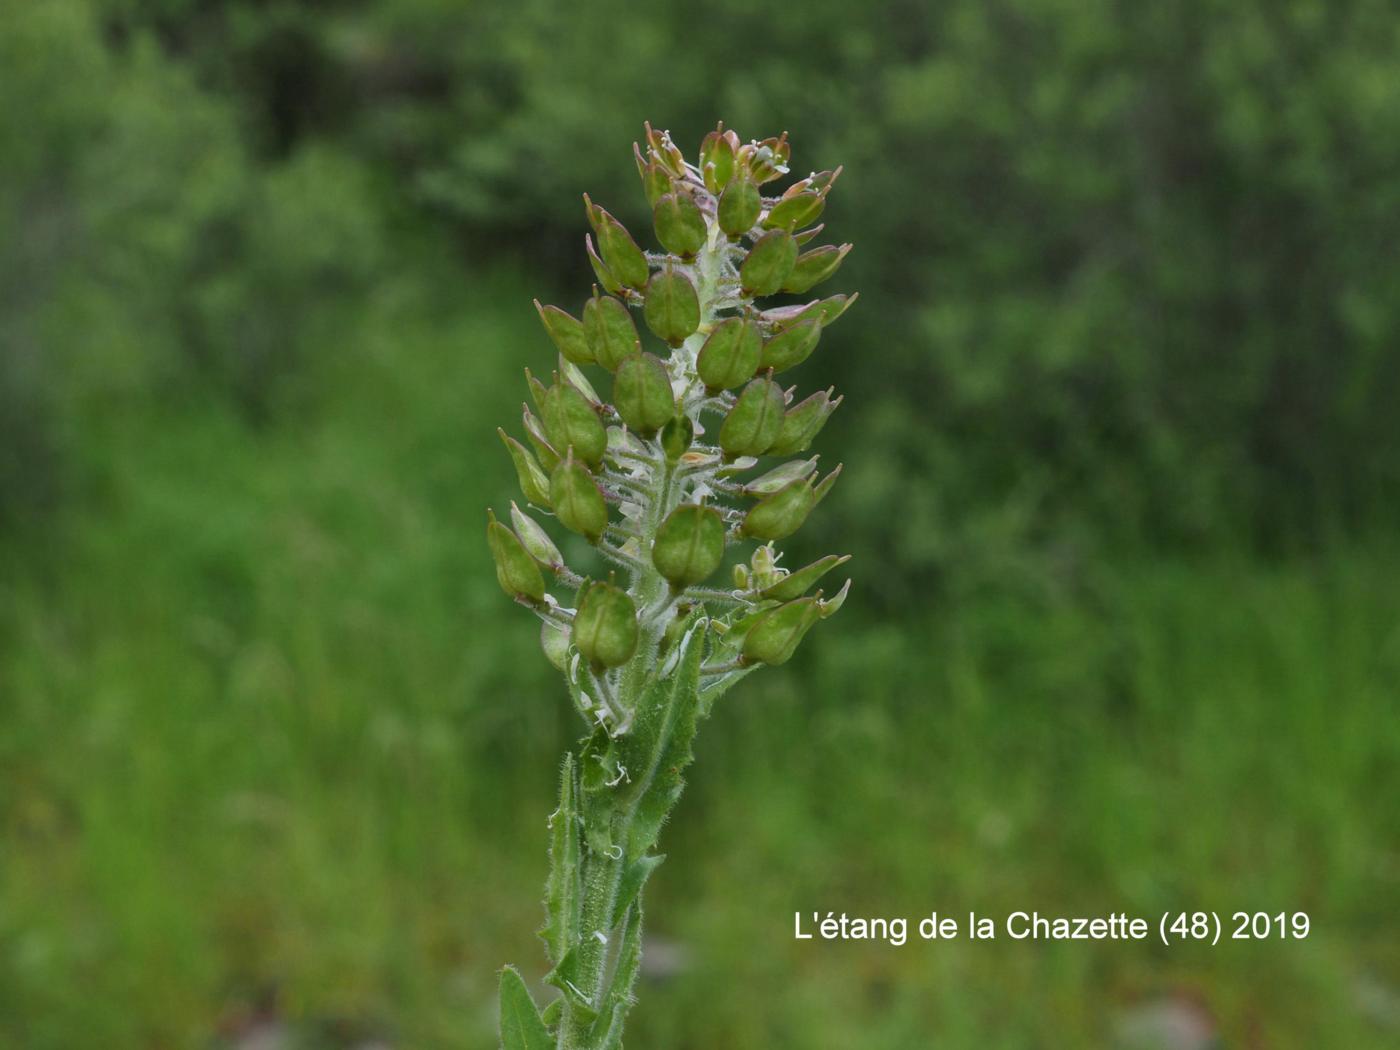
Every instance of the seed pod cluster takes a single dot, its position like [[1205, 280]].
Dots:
[[684, 450]]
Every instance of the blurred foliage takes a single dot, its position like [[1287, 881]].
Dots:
[[1121, 454]]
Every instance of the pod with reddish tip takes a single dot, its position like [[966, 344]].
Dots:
[[534, 483], [793, 213], [516, 572], [795, 584], [672, 309], [730, 355], [814, 267], [570, 421], [664, 151], [766, 160], [621, 255], [642, 394], [689, 545], [756, 419], [610, 330], [680, 227], [776, 634], [655, 181], [791, 346], [803, 422], [739, 206], [605, 625], [717, 158], [768, 263], [578, 502], [567, 333], [778, 516]]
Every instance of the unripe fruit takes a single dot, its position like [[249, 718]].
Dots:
[[775, 635], [642, 394], [717, 158], [803, 422], [730, 355], [535, 540], [689, 545], [516, 571], [795, 584], [790, 347], [534, 483], [768, 264], [753, 424], [792, 213], [814, 267], [624, 260], [778, 516], [605, 626], [569, 420], [610, 330], [680, 228], [567, 333], [739, 206], [578, 502], [672, 309]]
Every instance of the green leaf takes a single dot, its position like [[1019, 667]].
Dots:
[[564, 889], [521, 1026], [607, 1031], [565, 977], [633, 879]]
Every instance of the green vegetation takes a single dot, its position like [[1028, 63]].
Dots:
[[1121, 491]]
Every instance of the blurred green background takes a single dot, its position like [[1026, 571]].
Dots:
[[1122, 463]]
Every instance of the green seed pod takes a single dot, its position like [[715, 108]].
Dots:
[[535, 540], [676, 437], [832, 607], [778, 516], [717, 158], [776, 634], [534, 430], [689, 545], [808, 234], [768, 263], [796, 584], [534, 483], [739, 206], [578, 503], [730, 355], [665, 152], [825, 485], [791, 346], [780, 476], [680, 227], [753, 424], [600, 269], [567, 333], [610, 330], [605, 626], [554, 640], [814, 267], [832, 308], [537, 389], [622, 257], [569, 420], [672, 309], [655, 181], [792, 213], [642, 394], [516, 571], [803, 422]]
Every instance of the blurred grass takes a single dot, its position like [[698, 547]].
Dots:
[[274, 745]]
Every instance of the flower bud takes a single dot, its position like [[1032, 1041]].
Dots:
[[516, 571], [791, 346], [730, 355], [676, 436], [605, 626], [795, 584], [689, 545], [766, 160], [578, 503], [642, 394], [534, 430], [768, 264], [610, 330], [665, 152], [803, 422], [776, 634], [778, 516], [680, 227], [793, 213], [717, 158], [622, 257], [755, 420], [814, 267], [600, 270], [535, 540], [764, 564], [741, 577], [739, 206], [672, 309], [569, 420], [554, 640], [533, 481], [567, 333]]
